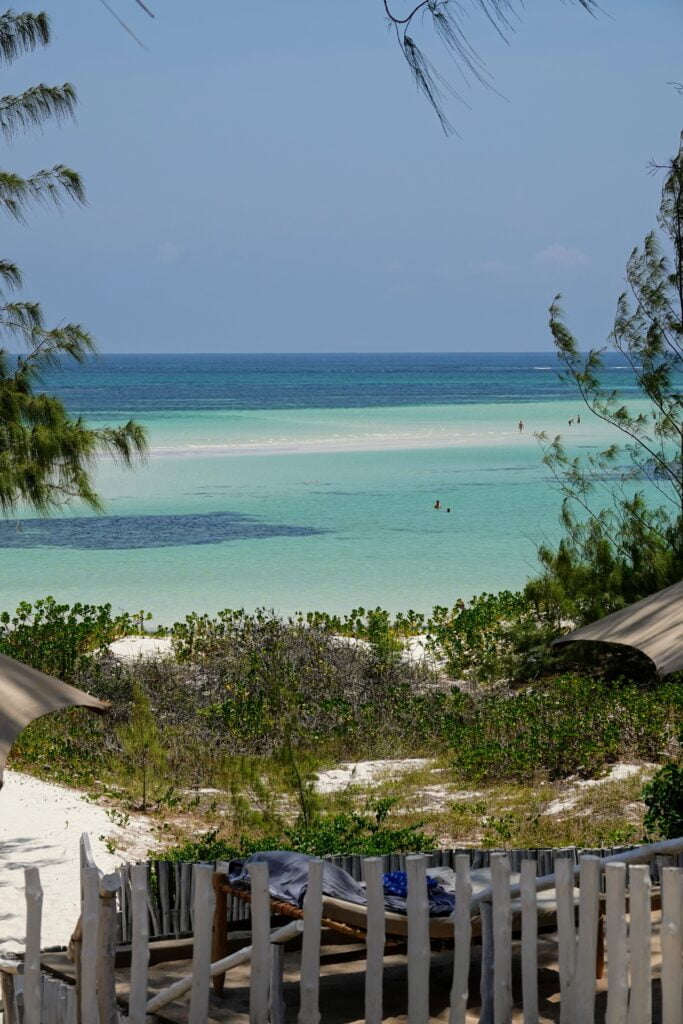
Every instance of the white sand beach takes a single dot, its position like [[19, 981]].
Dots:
[[41, 827], [141, 648]]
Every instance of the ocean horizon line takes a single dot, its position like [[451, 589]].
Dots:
[[336, 353]]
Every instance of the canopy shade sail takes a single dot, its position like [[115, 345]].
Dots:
[[653, 626], [26, 694]]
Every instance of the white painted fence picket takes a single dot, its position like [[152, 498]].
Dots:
[[462, 942], [139, 960], [201, 951], [617, 949], [34, 910], [418, 940], [529, 941], [309, 988], [32, 998], [640, 944], [374, 976]]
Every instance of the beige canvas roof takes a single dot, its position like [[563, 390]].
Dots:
[[653, 626], [26, 694]]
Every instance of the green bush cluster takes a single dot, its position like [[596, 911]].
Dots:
[[244, 685], [55, 637], [285, 695], [475, 636], [276, 682], [69, 747], [365, 834], [569, 725], [663, 796]]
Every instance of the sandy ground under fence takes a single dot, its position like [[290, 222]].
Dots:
[[40, 826], [342, 985]]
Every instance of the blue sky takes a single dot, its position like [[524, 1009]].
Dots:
[[265, 178]]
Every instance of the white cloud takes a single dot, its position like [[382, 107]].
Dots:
[[563, 256]]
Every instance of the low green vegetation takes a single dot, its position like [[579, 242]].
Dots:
[[367, 833], [570, 725], [225, 737], [663, 798], [58, 638]]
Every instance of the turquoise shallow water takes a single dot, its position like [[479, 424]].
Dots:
[[380, 540], [326, 508]]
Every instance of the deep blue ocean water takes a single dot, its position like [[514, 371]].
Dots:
[[144, 383]]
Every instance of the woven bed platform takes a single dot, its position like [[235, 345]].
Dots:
[[350, 919]]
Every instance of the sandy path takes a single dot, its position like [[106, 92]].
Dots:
[[40, 826]]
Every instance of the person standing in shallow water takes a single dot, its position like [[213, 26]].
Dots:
[[520, 426]]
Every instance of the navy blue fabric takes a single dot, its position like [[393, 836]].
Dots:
[[288, 880], [396, 883]]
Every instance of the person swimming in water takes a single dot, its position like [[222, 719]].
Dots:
[[437, 503]]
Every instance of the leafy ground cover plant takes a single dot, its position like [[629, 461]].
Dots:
[[663, 796], [476, 636], [54, 637], [367, 834], [257, 704], [569, 725]]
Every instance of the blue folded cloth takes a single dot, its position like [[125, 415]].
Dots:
[[441, 903], [396, 883]]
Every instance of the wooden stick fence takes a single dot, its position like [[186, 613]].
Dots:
[[626, 907], [169, 890]]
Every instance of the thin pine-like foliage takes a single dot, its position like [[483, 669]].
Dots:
[[46, 456], [21, 33], [446, 19], [621, 540], [35, 106]]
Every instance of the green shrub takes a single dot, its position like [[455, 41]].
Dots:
[[67, 747], [663, 796], [205, 848], [355, 833], [247, 685], [476, 637], [570, 725], [141, 745], [278, 682], [365, 834], [55, 637], [288, 692]]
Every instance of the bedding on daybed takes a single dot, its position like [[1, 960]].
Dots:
[[288, 879]]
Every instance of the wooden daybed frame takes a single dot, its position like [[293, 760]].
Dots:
[[347, 919]]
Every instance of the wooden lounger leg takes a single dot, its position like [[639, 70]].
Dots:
[[600, 955], [276, 1005], [219, 938], [9, 1003], [486, 981]]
